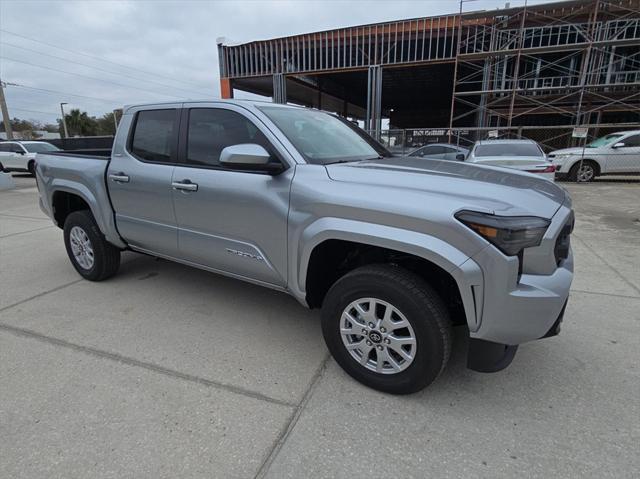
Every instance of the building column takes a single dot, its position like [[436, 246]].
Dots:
[[373, 121], [226, 91], [279, 88]]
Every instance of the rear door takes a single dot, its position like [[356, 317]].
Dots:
[[230, 220], [139, 179]]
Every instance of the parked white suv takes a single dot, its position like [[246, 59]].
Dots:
[[20, 155], [616, 153]]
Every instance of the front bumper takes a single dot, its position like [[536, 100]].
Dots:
[[509, 308], [489, 357]]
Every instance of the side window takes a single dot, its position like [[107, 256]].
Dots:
[[212, 129], [5, 148], [436, 150], [155, 136], [449, 150], [633, 140]]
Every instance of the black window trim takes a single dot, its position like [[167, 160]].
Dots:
[[175, 143], [184, 135]]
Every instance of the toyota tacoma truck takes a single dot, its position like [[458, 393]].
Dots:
[[396, 251]]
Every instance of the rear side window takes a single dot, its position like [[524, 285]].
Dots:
[[155, 136], [213, 129], [5, 148]]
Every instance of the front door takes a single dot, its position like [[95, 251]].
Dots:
[[626, 158], [230, 221], [139, 180], [12, 155]]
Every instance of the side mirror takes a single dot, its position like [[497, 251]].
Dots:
[[460, 157], [618, 145], [248, 156], [19, 152]]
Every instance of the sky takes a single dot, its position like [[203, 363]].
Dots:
[[101, 55]]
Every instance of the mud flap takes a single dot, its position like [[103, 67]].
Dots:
[[487, 357]]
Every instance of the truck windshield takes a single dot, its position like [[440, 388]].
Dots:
[[508, 149], [320, 137], [39, 147]]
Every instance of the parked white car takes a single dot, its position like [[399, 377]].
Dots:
[[616, 153], [20, 155], [523, 155]]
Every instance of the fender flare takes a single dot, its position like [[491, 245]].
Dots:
[[105, 224], [466, 273]]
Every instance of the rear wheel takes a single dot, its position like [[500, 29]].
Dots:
[[583, 172], [90, 253], [387, 328]]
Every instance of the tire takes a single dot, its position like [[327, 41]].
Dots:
[[413, 301], [80, 228], [31, 167], [585, 173]]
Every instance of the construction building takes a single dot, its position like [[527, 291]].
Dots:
[[539, 69]]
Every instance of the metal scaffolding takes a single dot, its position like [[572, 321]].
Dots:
[[575, 62], [570, 62]]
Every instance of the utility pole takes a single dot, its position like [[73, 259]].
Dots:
[[5, 113], [64, 121]]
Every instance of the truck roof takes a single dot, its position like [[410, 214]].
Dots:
[[234, 101]]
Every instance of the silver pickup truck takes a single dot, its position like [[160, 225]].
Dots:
[[395, 251]]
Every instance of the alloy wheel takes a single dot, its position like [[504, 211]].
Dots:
[[378, 336]]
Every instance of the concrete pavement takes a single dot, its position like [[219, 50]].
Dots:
[[167, 371]]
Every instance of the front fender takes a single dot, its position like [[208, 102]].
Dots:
[[465, 271]]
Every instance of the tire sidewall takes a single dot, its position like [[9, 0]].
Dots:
[[82, 220], [430, 347]]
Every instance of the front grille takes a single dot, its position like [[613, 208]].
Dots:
[[563, 243]]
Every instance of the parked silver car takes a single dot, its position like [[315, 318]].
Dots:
[[441, 151], [395, 251], [523, 155]]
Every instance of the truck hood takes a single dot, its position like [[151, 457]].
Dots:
[[458, 185]]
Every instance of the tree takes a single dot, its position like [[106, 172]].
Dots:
[[79, 123], [106, 125]]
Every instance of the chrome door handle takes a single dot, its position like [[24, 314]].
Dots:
[[119, 178], [184, 185]]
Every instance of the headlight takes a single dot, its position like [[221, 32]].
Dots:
[[510, 234], [561, 157]]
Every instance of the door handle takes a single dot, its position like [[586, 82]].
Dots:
[[119, 178], [184, 185]]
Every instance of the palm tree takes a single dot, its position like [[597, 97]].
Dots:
[[80, 123]]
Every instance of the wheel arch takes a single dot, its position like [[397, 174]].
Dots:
[[331, 247], [596, 162]]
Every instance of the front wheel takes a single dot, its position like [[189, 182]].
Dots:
[[31, 167], [90, 253], [583, 172], [387, 328]]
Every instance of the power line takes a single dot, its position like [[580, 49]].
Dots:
[[105, 100], [88, 77], [101, 69], [35, 111], [96, 57]]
